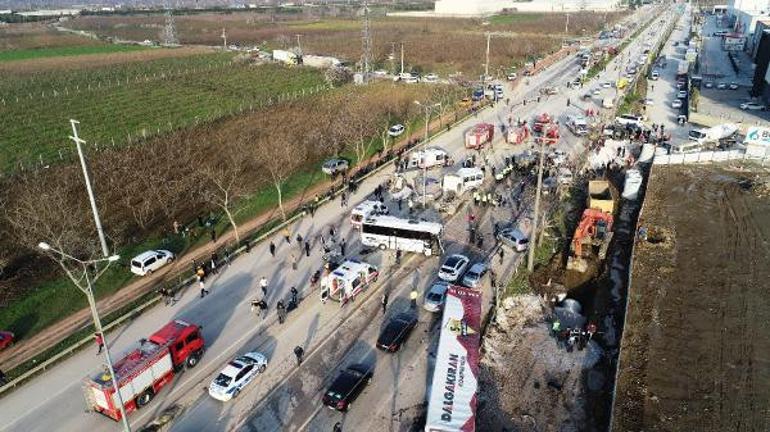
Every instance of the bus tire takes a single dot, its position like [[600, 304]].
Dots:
[[382, 247], [144, 398]]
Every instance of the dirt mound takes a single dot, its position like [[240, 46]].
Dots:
[[528, 382]]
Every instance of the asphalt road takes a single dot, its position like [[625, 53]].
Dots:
[[54, 401]]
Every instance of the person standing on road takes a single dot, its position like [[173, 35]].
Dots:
[[99, 339], [384, 303], [342, 247], [293, 258], [287, 235], [337, 427], [501, 254], [213, 235], [263, 285], [214, 269], [272, 249], [281, 309], [413, 298], [204, 291], [299, 352], [299, 240], [307, 248]]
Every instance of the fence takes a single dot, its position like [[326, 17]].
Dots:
[[708, 156]]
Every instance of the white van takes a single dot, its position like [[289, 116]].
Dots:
[[608, 103], [629, 119], [148, 262], [463, 180], [428, 158], [366, 209]]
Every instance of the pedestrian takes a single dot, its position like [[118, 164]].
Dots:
[[293, 258], [337, 427], [214, 269], [342, 199], [399, 203], [263, 285], [247, 244], [3, 378], [99, 339], [294, 296], [202, 285], [332, 232], [568, 102], [307, 248], [342, 247], [501, 254], [299, 240], [384, 303], [299, 352], [272, 249], [176, 227], [410, 204], [476, 198], [227, 257], [287, 235], [413, 297], [493, 278], [398, 257], [201, 273], [213, 235], [258, 306], [281, 309]]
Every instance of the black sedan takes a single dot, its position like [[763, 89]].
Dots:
[[346, 387], [396, 331]]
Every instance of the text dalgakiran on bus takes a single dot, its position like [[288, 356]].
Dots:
[[389, 232]]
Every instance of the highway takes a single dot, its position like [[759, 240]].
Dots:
[[287, 397]]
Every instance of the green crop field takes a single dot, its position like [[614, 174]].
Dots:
[[27, 54], [118, 103]]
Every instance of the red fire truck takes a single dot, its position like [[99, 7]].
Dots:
[[478, 135], [145, 369]]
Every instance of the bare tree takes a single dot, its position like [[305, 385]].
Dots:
[[224, 181], [361, 122], [280, 154]]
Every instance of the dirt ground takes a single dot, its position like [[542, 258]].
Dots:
[[544, 389], [695, 350]]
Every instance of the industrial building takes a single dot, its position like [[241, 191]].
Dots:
[[488, 7]]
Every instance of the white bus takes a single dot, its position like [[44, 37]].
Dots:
[[390, 232]]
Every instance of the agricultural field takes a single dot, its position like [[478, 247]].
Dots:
[[121, 103], [78, 50], [439, 45], [38, 35]]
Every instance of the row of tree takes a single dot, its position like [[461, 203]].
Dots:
[[141, 190]]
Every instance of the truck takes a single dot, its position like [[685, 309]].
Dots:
[[478, 135], [713, 135], [287, 57], [452, 396], [344, 282], [145, 369], [601, 196], [577, 124], [682, 68], [463, 180], [517, 134]]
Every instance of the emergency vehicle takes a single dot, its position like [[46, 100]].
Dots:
[[366, 209], [463, 180], [145, 369], [427, 158], [347, 280]]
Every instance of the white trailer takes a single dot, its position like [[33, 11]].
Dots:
[[463, 180]]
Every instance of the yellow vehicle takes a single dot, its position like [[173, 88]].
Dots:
[[622, 83], [465, 102]]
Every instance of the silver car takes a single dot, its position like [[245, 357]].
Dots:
[[473, 276], [434, 300], [453, 267]]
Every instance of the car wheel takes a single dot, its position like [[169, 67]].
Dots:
[[382, 247], [262, 368], [149, 272], [144, 398], [236, 393], [192, 361]]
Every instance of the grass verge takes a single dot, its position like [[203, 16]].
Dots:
[[28, 54]]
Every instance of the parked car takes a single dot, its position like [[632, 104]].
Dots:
[[335, 166], [396, 130], [6, 339], [453, 267], [511, 76], [473, 276], [733, 86], [708, 84], [236, 375], [753, 106], [649, 101], [150, 261], [722, 86], [629, 119], [681, 94], [655, 75], [434, 300], [515, 239], [677, 103], [346, 387], [396, 331], [606, 84], [430, 78]]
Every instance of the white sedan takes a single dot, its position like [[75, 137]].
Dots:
[[396, 130], [236, 375], [453, 267], [753, 106]]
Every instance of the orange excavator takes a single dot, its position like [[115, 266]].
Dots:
[[594, 229]]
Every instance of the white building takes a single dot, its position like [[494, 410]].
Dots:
[[488, 7], [733, 6]]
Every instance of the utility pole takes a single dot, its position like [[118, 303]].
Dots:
[[393, 56], [366, 57], [224, 38], [566, 25], [402, 57], [299, 45], [168, 36], [533, 233], [486, 65], [97, 221]]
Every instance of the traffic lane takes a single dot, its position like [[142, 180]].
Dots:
[[296, 399]]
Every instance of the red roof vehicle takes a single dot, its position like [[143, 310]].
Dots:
[[479, 135], [541, 121], [145, 369]]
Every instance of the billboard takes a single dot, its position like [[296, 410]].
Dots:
[[452, 400], [758, 136]]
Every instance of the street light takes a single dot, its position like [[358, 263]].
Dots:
[[428, 109], [83, 283]]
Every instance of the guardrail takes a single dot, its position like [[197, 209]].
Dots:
[[707, 156], [182, 285]]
